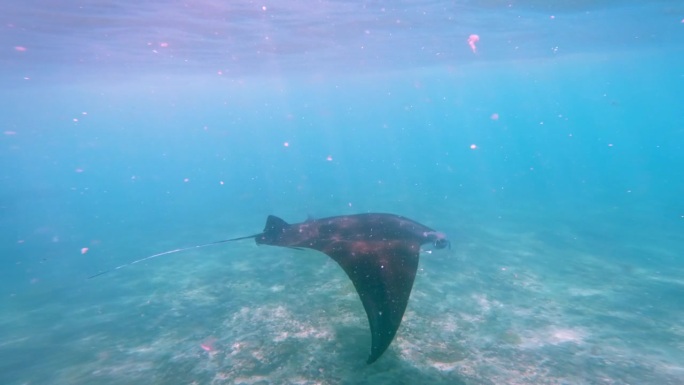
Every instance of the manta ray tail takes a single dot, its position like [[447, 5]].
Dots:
[[172, 252]]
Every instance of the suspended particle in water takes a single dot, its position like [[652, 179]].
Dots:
[[472, 40]]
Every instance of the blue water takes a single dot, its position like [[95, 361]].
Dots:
[[551, 153]]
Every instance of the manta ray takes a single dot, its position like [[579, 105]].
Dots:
[[379, 253]]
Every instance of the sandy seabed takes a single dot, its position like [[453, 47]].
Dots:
[[500, 307]]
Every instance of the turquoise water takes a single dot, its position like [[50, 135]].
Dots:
[[551, 154]]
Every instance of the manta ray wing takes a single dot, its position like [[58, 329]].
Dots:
[[383, 273]]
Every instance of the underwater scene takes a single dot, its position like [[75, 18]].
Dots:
[[342, 192]]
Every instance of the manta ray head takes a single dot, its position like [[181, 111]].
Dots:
[[438, 239]]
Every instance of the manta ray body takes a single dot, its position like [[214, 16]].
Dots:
[[379, 253]]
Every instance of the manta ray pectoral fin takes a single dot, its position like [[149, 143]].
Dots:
[[383, 275]]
